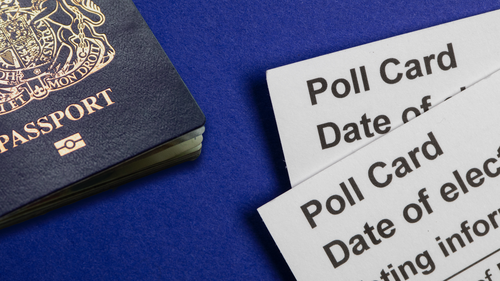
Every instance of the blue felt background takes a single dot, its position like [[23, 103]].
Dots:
[[198, 221]]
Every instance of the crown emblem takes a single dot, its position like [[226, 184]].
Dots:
[[48, 46]]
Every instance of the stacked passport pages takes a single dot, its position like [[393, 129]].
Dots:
[[378, 194], [85, 106]]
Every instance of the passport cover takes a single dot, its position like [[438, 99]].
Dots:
[[84, 88]]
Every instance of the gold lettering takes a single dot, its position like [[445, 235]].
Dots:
[[46, 125], [13, 104], [92, 105], [83, 71], [17, 137], [2, 143], [48, 47], [64, 81], [32, 130], [95, 50], [10, 76], [53, 85], [20, 99], [72, 77], [92, 58], [56, 119], [80, 111], [106, 96], [47, 33]]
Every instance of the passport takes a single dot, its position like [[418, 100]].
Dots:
[[88, 101]]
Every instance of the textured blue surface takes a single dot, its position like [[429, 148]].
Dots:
[[198, 221]]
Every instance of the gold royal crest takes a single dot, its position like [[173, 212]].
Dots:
[[48, 46]]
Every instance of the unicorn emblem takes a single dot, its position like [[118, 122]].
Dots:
[[48, 46]]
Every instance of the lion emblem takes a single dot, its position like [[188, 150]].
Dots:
[[48, 46]]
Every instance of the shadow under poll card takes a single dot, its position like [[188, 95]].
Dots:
[[330, 106], [419, 204]]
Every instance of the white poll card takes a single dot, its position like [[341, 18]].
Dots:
[[421, 203], [329, 106]]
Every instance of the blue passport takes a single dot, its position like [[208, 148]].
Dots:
[[88, 100]]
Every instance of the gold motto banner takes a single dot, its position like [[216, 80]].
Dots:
[[41, 51]]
